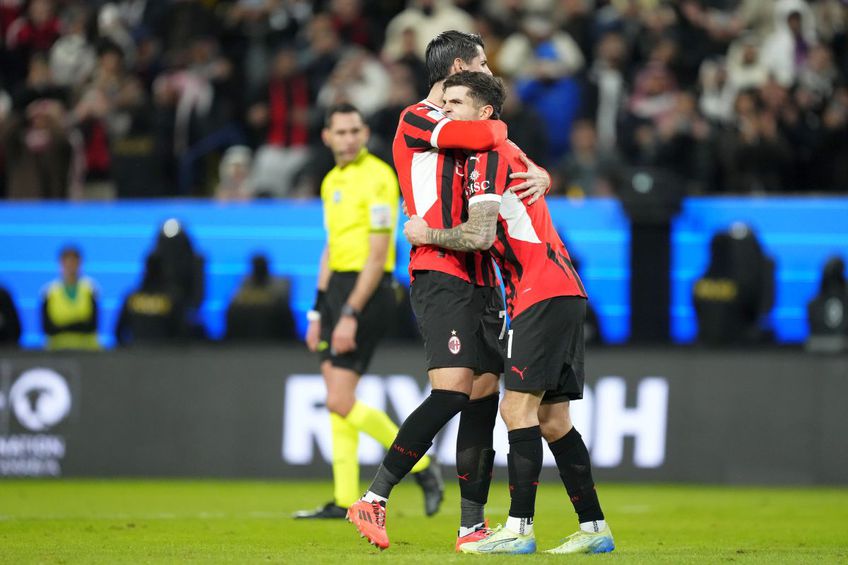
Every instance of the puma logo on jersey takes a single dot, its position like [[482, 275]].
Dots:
[[520, 372]]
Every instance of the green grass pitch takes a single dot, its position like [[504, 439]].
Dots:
[[70, 521]]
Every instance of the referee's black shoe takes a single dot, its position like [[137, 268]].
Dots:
[[430, 481], [331, 510]]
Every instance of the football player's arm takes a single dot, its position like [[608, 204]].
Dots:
[[476, 233], [435, 130], [476, 135]]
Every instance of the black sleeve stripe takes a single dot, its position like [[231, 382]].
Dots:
[[417, 121], [414, 142], [446, 189], [492, 161]]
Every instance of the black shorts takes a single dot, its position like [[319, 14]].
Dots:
[[460, 322], [374, 320], [544, 349]]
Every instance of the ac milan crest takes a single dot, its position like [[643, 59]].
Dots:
[[454, 345]]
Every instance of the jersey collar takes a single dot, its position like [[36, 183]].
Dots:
[[356, 160], [431, 105]]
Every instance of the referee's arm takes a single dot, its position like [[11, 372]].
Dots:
[[369, 277], [313, 331]]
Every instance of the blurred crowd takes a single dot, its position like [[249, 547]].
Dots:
[[225, 99]]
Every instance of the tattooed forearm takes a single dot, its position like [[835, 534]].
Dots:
[[478, 232]]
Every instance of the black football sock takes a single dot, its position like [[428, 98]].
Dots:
[[415, 437], [575, 470], [475, 457], [525, 464]]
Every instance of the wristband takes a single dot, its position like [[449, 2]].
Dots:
[[320, 298], [348, 310], [313, 316]]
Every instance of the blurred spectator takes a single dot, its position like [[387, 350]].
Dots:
[[543, 61], [38, 152], [753, 153], [10, 323], [524, 124], [787, 48], [151, 314], [829, 165], [716, 100], [69, 306], [509, 13], [408, 57], [261, 26], [72, 57], [819, 75], [34, 31], [39, 85], [683, 144], [106, 111], [260, 310], [183, 21], [427, 18], [359, 79], [401, 93], [352, 26], [575, 19], [323, 52], [234, 175], [604, 88], [654, 95], [113, 28], [587, 170], [746, 67], [736, 293], [279, 117]]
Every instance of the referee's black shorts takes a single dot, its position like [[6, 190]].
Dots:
[[544, 349], [460, 322], [374, 320]]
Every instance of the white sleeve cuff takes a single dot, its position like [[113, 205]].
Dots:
[[484, 198], [434, 138]]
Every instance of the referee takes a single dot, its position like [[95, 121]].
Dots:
[[354, 301]]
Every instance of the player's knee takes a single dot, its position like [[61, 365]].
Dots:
[[554, 428], [511, 412], [339, 404]]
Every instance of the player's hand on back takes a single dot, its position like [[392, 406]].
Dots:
[[404, 209], [536, 181], [415, 230]]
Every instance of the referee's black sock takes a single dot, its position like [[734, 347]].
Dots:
[[575, 470], [475, 457], [415, 437], [525, 464]]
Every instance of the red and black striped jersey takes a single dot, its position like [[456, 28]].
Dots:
[[533, 261], [430, 164]]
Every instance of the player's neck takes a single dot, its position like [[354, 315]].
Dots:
[[436, 96]]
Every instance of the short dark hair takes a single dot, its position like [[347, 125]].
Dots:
[[482, 88], [341, 108], [444, 49], [70, 251]]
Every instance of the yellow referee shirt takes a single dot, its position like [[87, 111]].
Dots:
[[360, 198]]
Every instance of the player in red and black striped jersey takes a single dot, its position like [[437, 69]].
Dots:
[[544, 346], [430, 174], [455, 295]]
